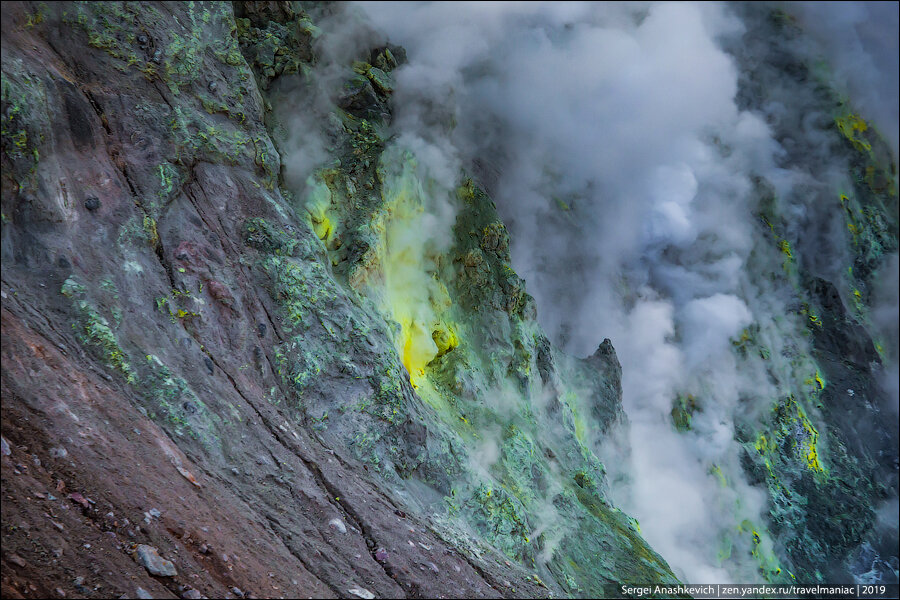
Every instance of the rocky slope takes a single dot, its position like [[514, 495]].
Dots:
[[197, 362], [221, 380]]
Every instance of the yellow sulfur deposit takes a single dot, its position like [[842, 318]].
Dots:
[[412, 293], [444, 338], [317, 205], [853, 127]]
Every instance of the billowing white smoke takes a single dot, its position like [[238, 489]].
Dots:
[[610, 138]]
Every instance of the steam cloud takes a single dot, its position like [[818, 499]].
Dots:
[[612, 141]]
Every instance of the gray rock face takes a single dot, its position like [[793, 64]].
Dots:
[[155, 564]]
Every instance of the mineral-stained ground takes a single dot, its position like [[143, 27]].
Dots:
[[216, 385]]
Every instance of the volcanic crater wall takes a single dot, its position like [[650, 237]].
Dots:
[[259, 341]]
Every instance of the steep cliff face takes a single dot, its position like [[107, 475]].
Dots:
[[270, 386], [826, 448], [252, 324]]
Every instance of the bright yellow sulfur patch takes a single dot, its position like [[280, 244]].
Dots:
[[418, 349], [812, 452], [796, 428], [318, 205], [812, 458], [444, 338], [785, 247], [323, 227], [820, 381], [813, 317], [788, 262], [853, 127], [411, 293]]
